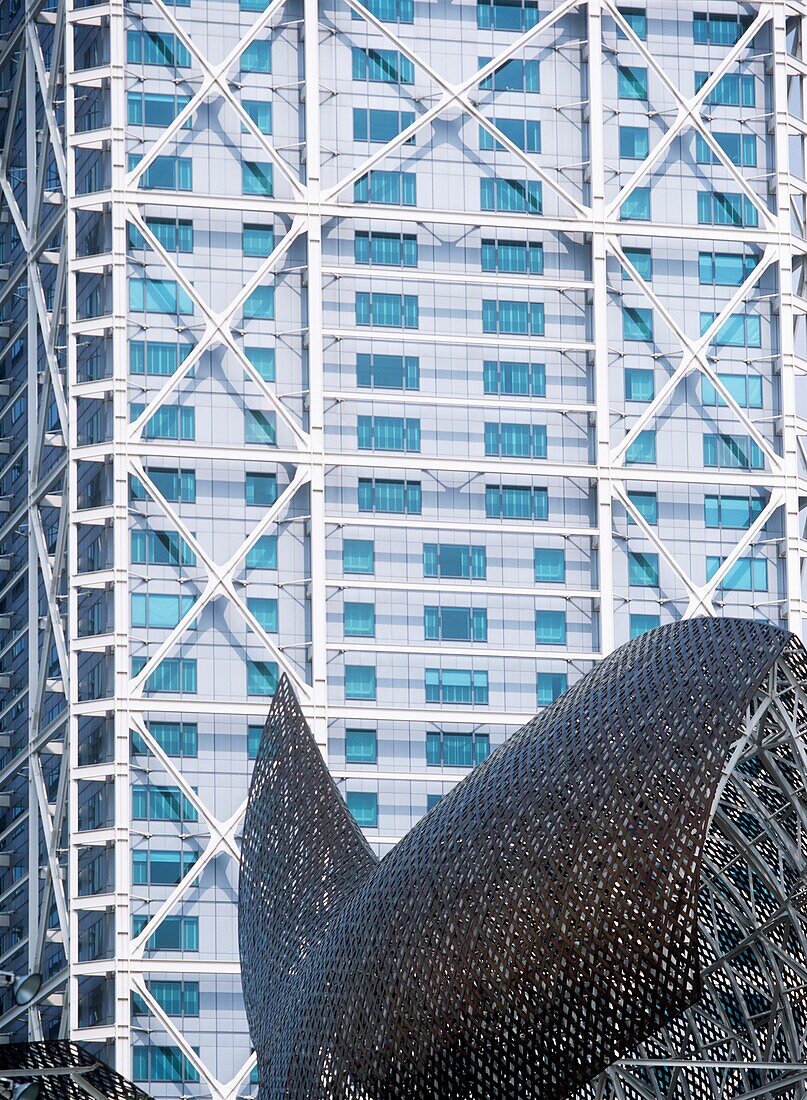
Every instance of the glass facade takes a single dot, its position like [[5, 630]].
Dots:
[[426, 356]]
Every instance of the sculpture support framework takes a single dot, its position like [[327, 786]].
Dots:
[[565, 907]]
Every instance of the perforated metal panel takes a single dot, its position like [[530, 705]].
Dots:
[[536, 925], [64, 1071]]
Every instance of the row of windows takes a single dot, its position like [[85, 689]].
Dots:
[[178, 676], [175, 998], [179, 487], [161, 357], [734, 452], [179, 422], [738, 330]]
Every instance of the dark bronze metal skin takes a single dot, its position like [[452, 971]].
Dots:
[[537, 924], [60, 1057]]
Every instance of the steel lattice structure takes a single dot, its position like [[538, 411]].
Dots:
[[83, 214], [561, 905]]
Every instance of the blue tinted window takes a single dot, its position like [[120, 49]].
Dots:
[[364, 807], [361, 746], [358, 556], [643, 569], [550, 565], [550, 686], [640, 624], [359, 620], [550, 627], [637, 323], [257, 58], [643, 448], [636, 206], [261, 677], [360, 682], [632, 82], [634, 142], [642, 260], [646, 504], [263, 555], [639, 384]]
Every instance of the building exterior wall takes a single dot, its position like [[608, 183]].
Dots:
[[529, 360]]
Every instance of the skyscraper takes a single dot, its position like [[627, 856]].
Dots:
[[422, 351]]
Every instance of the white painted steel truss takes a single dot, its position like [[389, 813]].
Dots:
[[53, 485]]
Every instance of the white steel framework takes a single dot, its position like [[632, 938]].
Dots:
[[84, 223]]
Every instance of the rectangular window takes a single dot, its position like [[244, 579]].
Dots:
[[735, 512], [640, 624], [176, 998], [264, 610], [261, 677], [154, 108], [646, 504], [386, 310], [361, 746], [746, 575], [744, 388], [385, 495], [726, 208], [392, 372], [363, 805], [382, 66], [174, 675], [455, 624], [165, 173], [732, 90], [636, 206], [550, 565], [741, 149], [387, 249], [256, 178], [254, 737], [261, 114], [260, 305], [740, 330], [386, 188], [390, 11], [506, 15], [358, 619], [257, 240], [550, 627], [632, 82], [642, 260], [637, 324], [155, 48], [525, 134], [360, 682], [456, 686], [260, 489], [636, 18], [643, 570], [168, 422], [153, 803], [388, 433], [514, 379], [263, 360], [513, 76], [643, 448], [737, 452], [159, 296], [639, 384], [177, 486], [161, 868], [513, 318], [467, 562], [724, 268], [158, 610], [174, 738], [162, 1063], [172, 934], [550, 686], [377, 125], [709, 28], [358, 556], [156, 356], [515, 257], [257, 57], [516, 502], [511, 196], [174, 234], [515, 440], [634, 142], [263, 555], [456, 750], [259, 427]]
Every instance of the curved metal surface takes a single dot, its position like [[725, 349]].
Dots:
[[533, 927]]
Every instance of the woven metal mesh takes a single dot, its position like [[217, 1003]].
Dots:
[[536, 925], [66, 1071]]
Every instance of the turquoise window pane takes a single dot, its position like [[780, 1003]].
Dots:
[[265, 611], [634, 142], [364, 807], [358, 556], [263, 554], [260, 112], [642, 260], [259, 427], [263, 360], [260, 305], [260, 489], [359, 620], [643, 569], [360, 682], [636, 206], [637, 323], [632, 82], [550, 565], [643, 448], [640, 624], [550, 686], [361, 746], [550, 627], [261, 677], [257, 58], [257, 240], [639, 384], [256, 178]]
